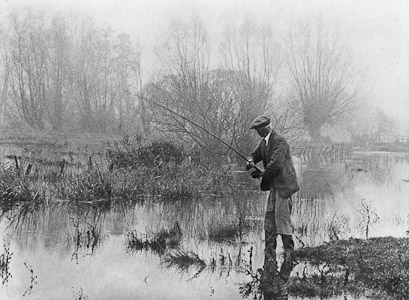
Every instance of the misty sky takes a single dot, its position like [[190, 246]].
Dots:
[[375, 31]]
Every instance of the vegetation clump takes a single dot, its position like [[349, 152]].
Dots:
[[14, 187], [157, 242], [5, 259], [89, 185], [183, 261], [160, 168], [136, 171], [133, 153], [376, 266]]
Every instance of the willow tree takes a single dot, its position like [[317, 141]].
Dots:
[[103, 67], [29, 69], [323, 78], [4, 81], [188, 85]]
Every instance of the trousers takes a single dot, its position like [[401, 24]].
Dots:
[[278, 222]]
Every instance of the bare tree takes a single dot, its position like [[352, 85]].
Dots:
[[128, 71], [324, 82], [64, 72], [28, 69], [287, 118], [368, 124], [59, 55], [104, 65], [188, 86], [4, 80], [213, 110], [253, 58]]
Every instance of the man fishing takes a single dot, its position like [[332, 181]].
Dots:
[[280, 179]]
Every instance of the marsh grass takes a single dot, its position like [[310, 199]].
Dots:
[[307, 230], [376, 266], [89, 185], [157, 242], [183, 261], [33, 280], [5, 259], [16, 187], [134, 152], [136, 171], [159, 168], [84, 238]]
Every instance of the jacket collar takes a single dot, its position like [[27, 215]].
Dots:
[[268, 137]]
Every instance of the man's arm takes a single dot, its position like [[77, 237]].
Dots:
[[255, 156]]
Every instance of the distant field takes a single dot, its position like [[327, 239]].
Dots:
[[57, 140], [51, 148]]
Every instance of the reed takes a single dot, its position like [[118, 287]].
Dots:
[[136, 171], [5, 259], [157, 242], [183, 261]]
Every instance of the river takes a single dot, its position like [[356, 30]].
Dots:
[[199, 248]]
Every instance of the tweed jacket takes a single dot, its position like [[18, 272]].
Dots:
[[279, 171]]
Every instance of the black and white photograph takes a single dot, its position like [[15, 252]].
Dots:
[[204, 149]]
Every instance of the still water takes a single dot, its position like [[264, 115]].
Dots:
[[61, 251]]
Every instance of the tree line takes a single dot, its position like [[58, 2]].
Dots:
[[65, 73]]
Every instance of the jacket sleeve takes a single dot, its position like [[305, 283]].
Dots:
[[278, 152], [255, 156]]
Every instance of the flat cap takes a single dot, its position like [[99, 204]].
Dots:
[[260, 121]]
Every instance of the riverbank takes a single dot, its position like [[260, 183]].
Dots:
[[129, 172], [377, 268]]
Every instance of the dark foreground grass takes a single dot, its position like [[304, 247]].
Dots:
[[377, 267]]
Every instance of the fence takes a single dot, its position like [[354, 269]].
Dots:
[[392, 138]]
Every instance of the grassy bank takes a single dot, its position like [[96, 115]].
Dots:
[[377, 268], [132, 172]]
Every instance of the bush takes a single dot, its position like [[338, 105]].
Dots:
[[131, 154]]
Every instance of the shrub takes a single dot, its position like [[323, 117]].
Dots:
[[129, 154]]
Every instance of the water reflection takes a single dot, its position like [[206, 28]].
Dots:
[[207, 248], [5, 259], [215, 234]]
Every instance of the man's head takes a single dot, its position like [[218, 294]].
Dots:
[[262, 125]]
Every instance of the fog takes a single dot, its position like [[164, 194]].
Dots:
[[64, 77], [375, 31]]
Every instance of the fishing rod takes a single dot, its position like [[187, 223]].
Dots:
[[201, 127]]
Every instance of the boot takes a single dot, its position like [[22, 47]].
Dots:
[[287, 265]]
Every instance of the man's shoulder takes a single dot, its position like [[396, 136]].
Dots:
[[278, 138]]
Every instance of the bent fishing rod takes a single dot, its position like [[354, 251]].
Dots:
[[199, 126]]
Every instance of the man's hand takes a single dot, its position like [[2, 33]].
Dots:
[[256, 174], [250, 164]]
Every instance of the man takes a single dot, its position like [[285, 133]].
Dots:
[[280, 179]]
